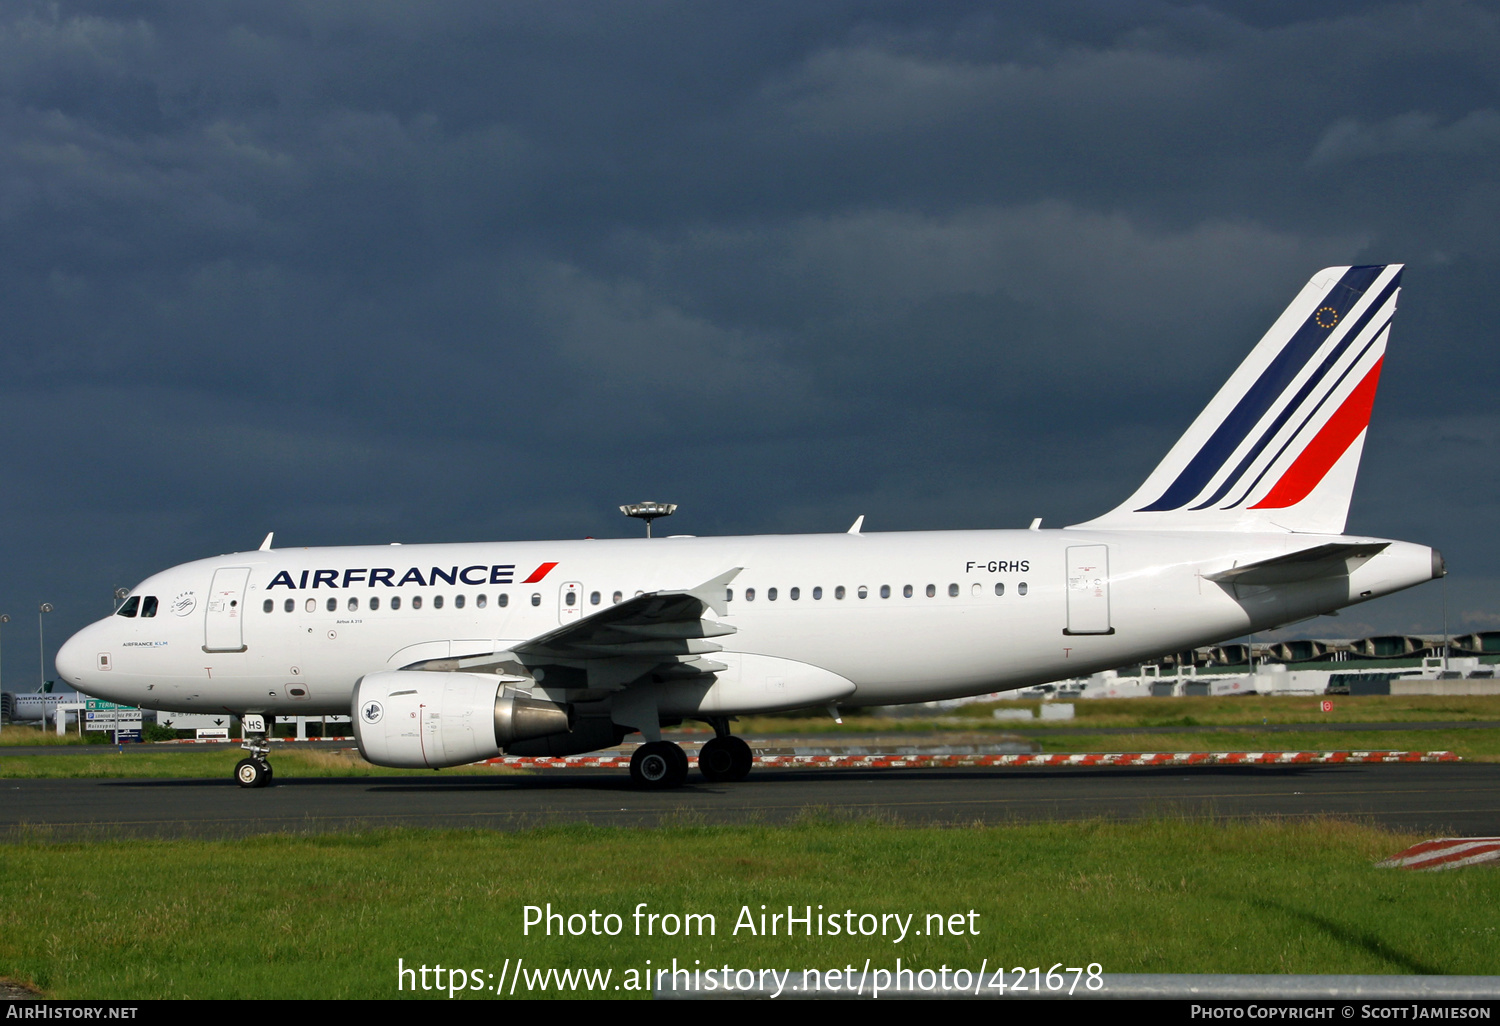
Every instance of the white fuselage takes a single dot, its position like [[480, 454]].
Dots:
[[1007, 609]]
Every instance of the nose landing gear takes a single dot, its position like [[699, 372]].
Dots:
[[256, 770], [253, 773]]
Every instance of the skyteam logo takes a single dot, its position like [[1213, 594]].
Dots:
[[369, 577], [372, 712], [1286, 422]]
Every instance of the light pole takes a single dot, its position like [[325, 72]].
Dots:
[[649, 511], [41, 645], [4, 619]]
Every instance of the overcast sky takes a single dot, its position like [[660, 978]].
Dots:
[[366, 272]]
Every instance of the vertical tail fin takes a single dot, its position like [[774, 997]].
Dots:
[[1278, 447]]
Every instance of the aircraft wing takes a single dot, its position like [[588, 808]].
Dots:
[[662, 632], [661, 623], [1332, 560]]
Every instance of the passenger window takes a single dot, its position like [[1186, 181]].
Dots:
[[770, 594], [353, 603], [1021, 588], [416, 601], [885, 591], [437, 602], [838, 592], [395, 602], [617, 598], [794, 594], [931, 590], [906, 592], [333, 604], [131, 607], [593, 598], [458, 601], [749, 594], [817, 593], [312, 605], [976, 589], [268, 605], [536, 598], [728, 595], [481, 601], [1000, 588], [148, 607], [374, 603], [863, 591], [289, 605], [953, 591], [502, 600]]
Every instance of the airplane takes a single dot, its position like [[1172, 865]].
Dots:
[[39, 706], [450, 654]]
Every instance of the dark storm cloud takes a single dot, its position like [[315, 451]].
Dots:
[[379, 271]]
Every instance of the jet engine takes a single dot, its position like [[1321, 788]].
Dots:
[[416, 718]]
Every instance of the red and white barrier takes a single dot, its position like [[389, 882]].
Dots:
[[615, 760], [1446, 853]]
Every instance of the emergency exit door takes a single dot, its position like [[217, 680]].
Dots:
[[569, 602], [224, 615], [1088, 590]]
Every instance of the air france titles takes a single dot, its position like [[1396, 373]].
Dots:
[[386, 576]]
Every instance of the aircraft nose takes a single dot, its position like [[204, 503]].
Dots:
[[73, 658]]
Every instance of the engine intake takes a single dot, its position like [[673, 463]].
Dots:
[[417, 719]]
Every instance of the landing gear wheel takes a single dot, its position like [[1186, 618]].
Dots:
[[658, 765], [725, 758], [252, 773]]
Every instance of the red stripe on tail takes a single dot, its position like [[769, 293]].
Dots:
[[1326, 447]]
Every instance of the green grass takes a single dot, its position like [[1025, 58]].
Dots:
[[1152, 712], [329, 915], [138, 761], [17, 734]]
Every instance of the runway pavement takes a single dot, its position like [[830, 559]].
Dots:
[[1434, 799]]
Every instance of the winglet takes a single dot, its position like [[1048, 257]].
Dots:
[[858, 523], [265, 546], [711, 592]]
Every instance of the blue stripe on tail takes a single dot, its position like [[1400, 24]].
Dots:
[[1288, 363]]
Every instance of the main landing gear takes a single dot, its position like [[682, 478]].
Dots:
[[658, 765], [256, 770], [725, 758]]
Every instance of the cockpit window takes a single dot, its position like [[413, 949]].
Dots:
[[131, 607], [148, 606]]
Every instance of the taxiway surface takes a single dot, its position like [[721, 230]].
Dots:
[[1435, 799]]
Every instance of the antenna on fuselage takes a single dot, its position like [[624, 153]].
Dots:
[[649, 511], [265, 546]]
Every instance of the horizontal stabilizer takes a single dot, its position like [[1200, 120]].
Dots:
[[1332, 560]]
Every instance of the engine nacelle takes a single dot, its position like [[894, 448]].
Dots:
[[415, 718]]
